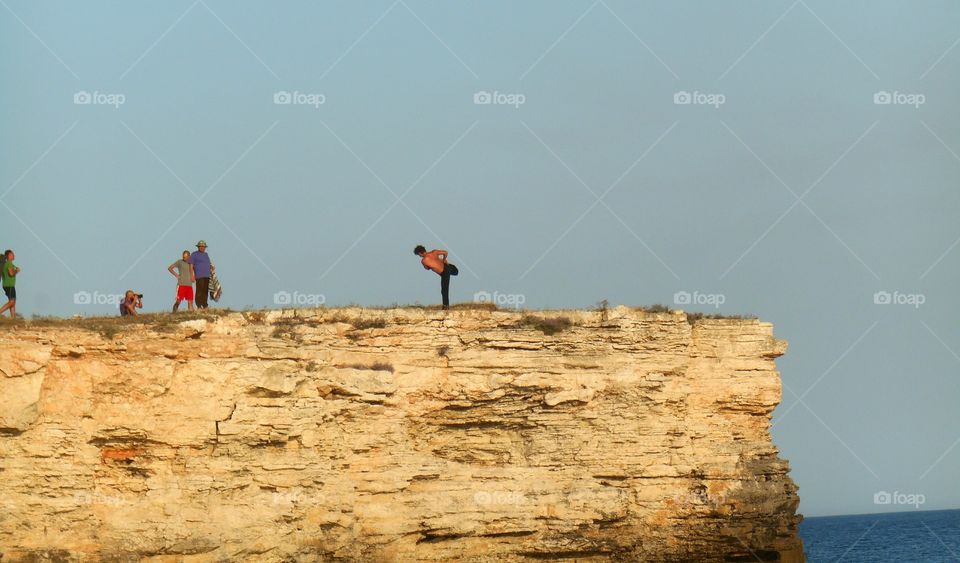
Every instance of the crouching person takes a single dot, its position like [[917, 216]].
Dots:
[[131, 302]]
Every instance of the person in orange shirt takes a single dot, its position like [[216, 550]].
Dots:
[[436, 260]]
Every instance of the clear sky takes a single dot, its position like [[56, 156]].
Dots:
[[786, 188]]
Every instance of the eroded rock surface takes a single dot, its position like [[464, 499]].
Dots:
[[394, 435]]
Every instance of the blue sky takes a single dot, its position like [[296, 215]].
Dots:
[[787, 188]]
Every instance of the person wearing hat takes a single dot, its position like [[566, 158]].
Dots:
[[200, 270]]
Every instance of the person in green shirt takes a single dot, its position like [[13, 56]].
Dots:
[[9, 274]]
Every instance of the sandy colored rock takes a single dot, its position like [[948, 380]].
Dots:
[[394, 435]]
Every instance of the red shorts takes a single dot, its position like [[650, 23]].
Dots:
[[184, 292]]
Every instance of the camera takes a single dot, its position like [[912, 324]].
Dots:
[[139, 295]]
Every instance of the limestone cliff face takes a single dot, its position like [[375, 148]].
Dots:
[[394, 435]]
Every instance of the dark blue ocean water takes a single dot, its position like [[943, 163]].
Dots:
[[901, 536]]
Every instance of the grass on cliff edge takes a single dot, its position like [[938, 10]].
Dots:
[[692, 316], [110, 326]]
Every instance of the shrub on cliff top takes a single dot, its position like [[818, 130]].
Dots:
[[362, 324], [655, 308], [546, 325], [358, 323], [692, 318]]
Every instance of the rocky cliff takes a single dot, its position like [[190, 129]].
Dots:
[[393, 435]]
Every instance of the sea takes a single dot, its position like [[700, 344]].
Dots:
[[918, 536]]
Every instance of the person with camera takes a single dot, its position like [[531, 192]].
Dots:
[[184, 281], [131, 302]]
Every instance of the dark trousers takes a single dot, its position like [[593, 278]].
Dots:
[[203, 290], [448, 270]]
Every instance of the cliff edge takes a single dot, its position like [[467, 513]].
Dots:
[[402, 434]]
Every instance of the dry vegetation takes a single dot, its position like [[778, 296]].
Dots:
[[655, 308], [110, 327], [546, 325], [692, 318]]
